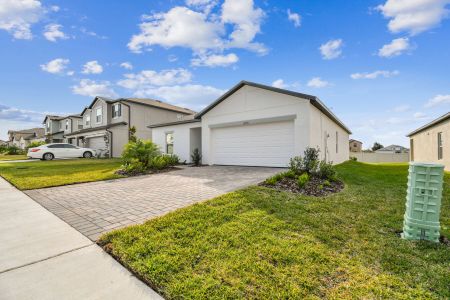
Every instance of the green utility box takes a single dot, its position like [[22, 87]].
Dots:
[[423, 202]]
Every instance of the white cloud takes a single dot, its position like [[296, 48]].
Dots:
[[395, 48], [374, 75], [92, 33], [279, 83], [419, 116], [54, 8], [401, 108], [92, 67], [172, 58], [91, 88], [193, 96], [17, 16], [149, 78], [126, 65], [201, 31], [294, 18], [331, 49], [215, 60], [205, 5], [414, 16], [438, 100], [56, 66], [317, 82], [53, 32]]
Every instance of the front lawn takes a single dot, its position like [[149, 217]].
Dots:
[[33, 175], [264, 244], [12, 157]]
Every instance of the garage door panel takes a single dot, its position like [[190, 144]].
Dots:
[[97, 143], [268, 144]]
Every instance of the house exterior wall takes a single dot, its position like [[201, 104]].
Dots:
[[119, 140], [183, 141], [425, 148], [355, 146], [251, 103], [323, 132]]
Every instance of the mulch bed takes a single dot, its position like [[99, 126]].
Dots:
[[131, 174], [315, 186]]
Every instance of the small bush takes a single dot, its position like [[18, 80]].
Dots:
[[3, 148], [172, 159], [159, 162], [310, 159], [34, 145], [13, 150], [289, 174], [196, 157], [139, 152], [302, 180], [327, 183], [274, 179], [296, 165], [352, 158], [326, 170]]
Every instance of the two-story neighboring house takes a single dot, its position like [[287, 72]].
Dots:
[[54, 131], [70, 124], [107, 122], [22, 138], [354, 145]]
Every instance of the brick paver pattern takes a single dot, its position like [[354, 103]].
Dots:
[[98, 207]]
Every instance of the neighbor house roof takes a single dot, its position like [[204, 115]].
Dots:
[[431, 124], [392, 148], [352, 140], [28, 134], [143, 101], [313, 99], [53, 117], [96, 128]]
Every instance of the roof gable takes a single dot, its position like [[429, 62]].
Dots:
[[313, 100], [431, 124]]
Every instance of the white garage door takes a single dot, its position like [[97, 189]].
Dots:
[[267, 144], [97, 143]]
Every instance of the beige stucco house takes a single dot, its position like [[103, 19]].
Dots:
[[22, 138], [354, 146], [431, 142], [106, 122], [257, 125]]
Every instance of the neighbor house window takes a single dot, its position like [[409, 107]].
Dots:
[[88, 120], [80, 124], [169, 143], [440, 146], [337, 142], [116, 110], [67, 124], [98, 115]]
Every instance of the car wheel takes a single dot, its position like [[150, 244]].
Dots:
[[87, 154], [48, 156]]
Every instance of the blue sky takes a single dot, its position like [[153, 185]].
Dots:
[[381, 66]]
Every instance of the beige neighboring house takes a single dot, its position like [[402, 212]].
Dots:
[[106, 122], [355, 146], [431, 142], [22, 138]]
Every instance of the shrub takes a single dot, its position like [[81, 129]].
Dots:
[[289, 174], [139, 153], [274, 179], [13, 150], [326, 170], [3, 148], [326, 183], [172, 159], [159, 162], [352, 158], [302, 180], [196, 157], [132, 134], [296, 165], [310, 160], [34, 145]]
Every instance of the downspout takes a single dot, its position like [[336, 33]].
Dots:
[[110, 143], [129, 118]]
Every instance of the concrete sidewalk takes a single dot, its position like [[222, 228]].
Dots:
[[42, 257]]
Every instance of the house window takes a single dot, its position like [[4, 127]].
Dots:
[[80, 124], [169, 143], [67, 124], [98, 115], [88, 120], [337, 142], [440, 146], [116, 110], [411, 145]]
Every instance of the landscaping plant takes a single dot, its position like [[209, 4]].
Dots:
[[138, 155], [196, 157], [34, 145]]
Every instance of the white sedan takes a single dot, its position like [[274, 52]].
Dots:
[[60, 150]]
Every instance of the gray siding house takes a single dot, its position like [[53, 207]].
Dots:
[[106, 122]]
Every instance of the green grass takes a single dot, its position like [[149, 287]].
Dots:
[[12, 157], [262, 244], [40, 174]]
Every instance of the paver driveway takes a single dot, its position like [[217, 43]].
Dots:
[[98, 207]]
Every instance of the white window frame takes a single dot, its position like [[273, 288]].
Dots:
[[440, 146], [119, 110], [167, 144], [88, 119], [98, 117], [67, 124]]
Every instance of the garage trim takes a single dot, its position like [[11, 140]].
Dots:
[[253, 121]]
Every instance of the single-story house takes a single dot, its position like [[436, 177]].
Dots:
[[355, 145], [256, 125], [106, 122], [22, 138], [393, 149], [431, 142]]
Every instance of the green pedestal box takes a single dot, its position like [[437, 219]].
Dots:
[[423, 202]]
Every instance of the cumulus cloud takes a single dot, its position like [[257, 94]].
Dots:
[[53, 32], [317, 82], [56, 66], [395, 48], [375, 74], [236, 27], [92, 67], [279, 83], [126, 65], [91, 88], [414, 16], [17, 17], [331, 49], [438, 100], [149, 78], [215, 60], [419, 116], [295, 18]]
